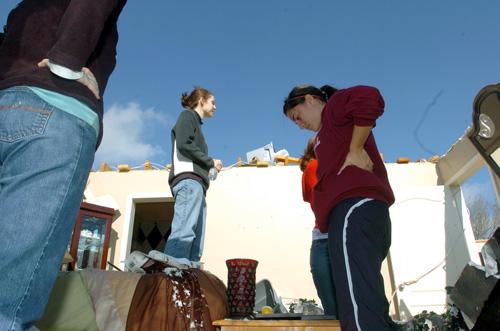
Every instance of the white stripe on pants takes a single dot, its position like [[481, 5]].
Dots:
[[346, 259]]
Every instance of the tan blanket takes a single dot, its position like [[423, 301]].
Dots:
[[111, 293]]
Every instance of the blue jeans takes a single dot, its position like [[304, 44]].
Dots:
[[45, 158], [322, 276], [188, 225]]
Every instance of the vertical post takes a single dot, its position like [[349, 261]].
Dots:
[[495, 181]]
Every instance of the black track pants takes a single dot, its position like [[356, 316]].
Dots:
[[359, 238]]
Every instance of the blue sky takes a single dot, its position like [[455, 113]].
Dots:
[[251, 53]]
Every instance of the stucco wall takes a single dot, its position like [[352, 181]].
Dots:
[[259, 213], [114, 189], [431, 244]]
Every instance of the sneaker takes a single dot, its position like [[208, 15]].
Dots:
[[135, 261], [180, 263]]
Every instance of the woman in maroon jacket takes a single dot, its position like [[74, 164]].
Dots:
[[352, 196]]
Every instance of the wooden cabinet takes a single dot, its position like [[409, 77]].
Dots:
[[90, 240]]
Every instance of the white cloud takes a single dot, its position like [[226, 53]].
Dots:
[[125, 131]]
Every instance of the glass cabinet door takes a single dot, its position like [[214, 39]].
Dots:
[[90, 239], [91, 244]]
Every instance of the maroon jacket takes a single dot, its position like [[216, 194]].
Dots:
[[359, 105], [71, 33]]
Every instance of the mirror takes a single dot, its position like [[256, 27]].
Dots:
[[485, 135]]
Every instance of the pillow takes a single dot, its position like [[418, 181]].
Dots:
[[69, 307], [111, 293]]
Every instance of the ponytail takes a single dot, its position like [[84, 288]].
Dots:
[[297, 94], [191, 100], [309, 154], [328, 91]]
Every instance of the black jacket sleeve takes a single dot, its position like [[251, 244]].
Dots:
[[79, 31]]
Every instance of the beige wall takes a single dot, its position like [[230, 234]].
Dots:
[[259, 213], [115, 189], [432, 238], [252, 212]]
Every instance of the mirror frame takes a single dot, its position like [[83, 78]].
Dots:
[[486, 147]]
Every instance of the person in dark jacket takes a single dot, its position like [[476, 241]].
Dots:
[[352, 196], [55, 61], [188, 177]]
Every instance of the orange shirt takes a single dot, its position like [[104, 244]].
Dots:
[[309, 180]]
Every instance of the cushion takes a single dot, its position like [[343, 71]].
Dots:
[[70, 307]]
